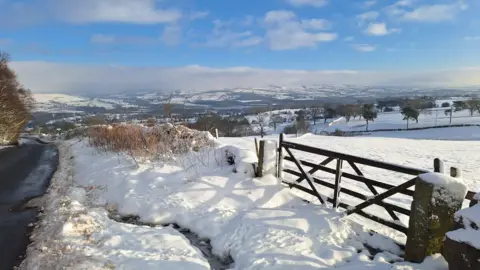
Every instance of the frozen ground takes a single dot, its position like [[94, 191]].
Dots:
[[258, 221]]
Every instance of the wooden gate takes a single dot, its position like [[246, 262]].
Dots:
[[376, 198]]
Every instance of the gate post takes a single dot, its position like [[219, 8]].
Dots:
[[436, 199], [267, 158], [280, 157]]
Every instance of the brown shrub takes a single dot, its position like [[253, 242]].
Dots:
[[160, 142]]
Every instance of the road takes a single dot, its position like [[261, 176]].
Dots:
[[25, 173]]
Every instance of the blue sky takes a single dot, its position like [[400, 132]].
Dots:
[[307, 35]]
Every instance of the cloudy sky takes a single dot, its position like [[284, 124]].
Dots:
[[129, 45]]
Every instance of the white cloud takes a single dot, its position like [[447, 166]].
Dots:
[[472, 38], [349, 38], [60, 77], [364, 47], [223, 36], [368, 16], [404, 10], [284, 31], [313, 3], [104, 39], [88, 11], [316, 24], [380, 29], [369, 3], [248, 42], [198, 15]]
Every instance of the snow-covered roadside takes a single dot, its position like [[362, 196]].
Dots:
[[74, 234], [259, 222]]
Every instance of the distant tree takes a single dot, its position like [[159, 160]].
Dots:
[[346, 111], [473, 105], [410, 112], [369, 113], [275, 120], [167, 107], [388, 109], [262, 121], [301, 124], [357, 111], [445, 104], [329, 113], [459, 106], [315, 111]]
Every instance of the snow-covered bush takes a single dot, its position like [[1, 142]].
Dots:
[[148, 143]]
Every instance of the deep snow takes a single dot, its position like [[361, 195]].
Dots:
[[259, 222]]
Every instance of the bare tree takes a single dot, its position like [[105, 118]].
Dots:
[[315, 111], [167, 107], [16, 103], [275, 120]]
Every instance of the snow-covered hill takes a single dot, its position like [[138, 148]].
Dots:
[[65, 103]]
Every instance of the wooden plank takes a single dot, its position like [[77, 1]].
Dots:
[[384, 222], [372, 188], [357, 178], [314, 170], [307, 176], [360, 160], [382, 196], [338, 178], [355, 194]]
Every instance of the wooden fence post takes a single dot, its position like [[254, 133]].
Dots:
[[436, 199], [338, 177], [261, 158], [438, 165], [280, 157]]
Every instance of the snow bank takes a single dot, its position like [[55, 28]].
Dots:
[[257, 221], [71, 234]]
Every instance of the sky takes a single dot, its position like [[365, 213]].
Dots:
[[131, 45]]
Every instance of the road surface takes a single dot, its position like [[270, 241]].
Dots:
[[25, 173]]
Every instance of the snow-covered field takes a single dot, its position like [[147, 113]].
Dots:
[[63, 103], [259, 222]]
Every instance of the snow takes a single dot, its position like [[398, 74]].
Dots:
[[469, 236], [65, 103], [470, 218], [453, 186], [259, 222], [270, 157], [74, 234]]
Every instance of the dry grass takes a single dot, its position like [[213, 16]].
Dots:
[[147, 143]]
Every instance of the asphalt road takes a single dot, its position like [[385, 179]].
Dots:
[[25, 173]]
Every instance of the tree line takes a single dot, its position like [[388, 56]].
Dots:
[[16, 103]]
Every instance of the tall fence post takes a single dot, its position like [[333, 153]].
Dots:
[[436, 199], [338, 178], [280, 157]]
